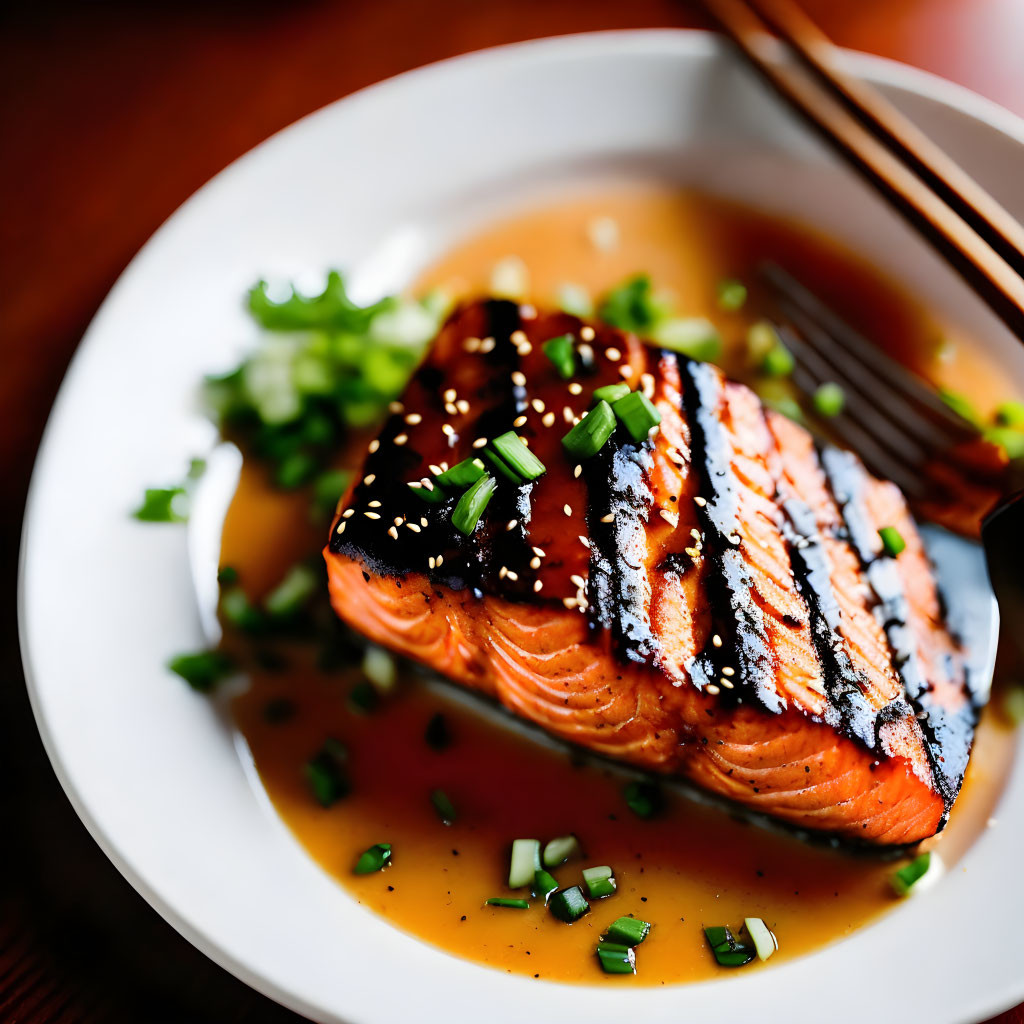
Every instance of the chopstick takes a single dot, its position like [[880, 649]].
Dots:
[[981, 241]]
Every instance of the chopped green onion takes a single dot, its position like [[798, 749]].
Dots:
[[363, 697], [461, 475], [1010, 414], [559, 850], [544, 884], [202, 670], [761, 339], [569, 905], [375, 858], [331, 309], [431, 495], [586, 437], [504, 901], [761, 935], [910, 874], [574, 299], [444, 807], [518, 457], [616, 958], [472, 504], [437, 734], [829, 399], [961, 405], [637, 414], [778, 361], [291, 594], [328, 488], [629, 931], [731, 294], [327, 775], [693, 337], [498, 463], [163, 505], [728, 951], [295, 470], [632, 306], [525, 860], [562, 354], [643, 799], [599, 881], [226, 575], [239, 611], [380, 668], [892, 541], [611, 393], [1013, 704], [1010, 439]]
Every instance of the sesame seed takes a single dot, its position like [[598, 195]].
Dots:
[[502, 572], [397, 520], [625, 372], [341, 527], [513, 576], [525, 440], [393, 532], [400, 439], [584, 541], [440, 559], [449, 396], [538, 586], [613, 354], [692, 552], [480, 442], [610, 518], [436, 470], [369, 478], [539, 552], [548, 419], [695, 534], [575, 388], [576, 471], [487, 345], [700, 501], [586, 352], [538, 405], [519, 378], [587, 333], [567, 509], [519, 421], [567, 414], [528, 312], [423, 520], [728, 684], [535, 562], [712, 689], [451, 408], [462, 406], [396, 407], [413, 527], [727, 671], [578, 581], [517, 337], [414, 419], [430, 561], [348, 513], [447, 429], [716, 640], [512, 524], [427, 484], [371, 515], [734, 538], [374, 504], [569, 602], [670, 517], [373, 446]]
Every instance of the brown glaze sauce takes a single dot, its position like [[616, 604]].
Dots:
[[696, 863]]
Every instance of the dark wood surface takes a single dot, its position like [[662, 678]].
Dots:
[[111, 114]]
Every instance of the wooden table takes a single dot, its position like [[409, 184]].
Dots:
[[110, 116]]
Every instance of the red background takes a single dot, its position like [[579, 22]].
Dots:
[[110, 116]]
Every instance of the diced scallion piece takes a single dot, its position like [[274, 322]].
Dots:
[[727, 950], [227, 575], [961, 405], [239, 611], [559, 850], [629, 931], [731, 294], [502, 467], [616, 958], [829, 399], [643, 799], [1010, 439], [517, 456], [544, 884], [525, 860], [892, 541], [291, 594], [163, 505], [327, 774], [574, 299], [637, 415], [432, 495], [632, 305], [904, 879], [600, 881], [692, 336], [1010, 414], [444, 806], [375, 858], [586, 437], [380, 668], [202, 670], [761, 935], [611, 393], [504, 901], [778, 361], [569, 905], [562, 354], [471, 505], [328, 488], [1013, 704], [461, 475]]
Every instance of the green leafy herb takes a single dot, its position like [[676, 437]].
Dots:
[[562, 353], [227, 575], [237, 610], [632, 306], [904, 879], [524, 860], [559, 850], [327, 773], [575, 300], [611, 393], [163, 505], [568, 905], [375, 858], [761, 935], [331, 309], [461, 475], [544, 884], [600, 881], [202, 670]]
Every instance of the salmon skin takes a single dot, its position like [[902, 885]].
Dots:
[[712, 603]]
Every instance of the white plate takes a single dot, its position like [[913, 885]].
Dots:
[[379, 183]]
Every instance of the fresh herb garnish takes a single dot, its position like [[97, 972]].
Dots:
[[892, 541], [629, 931], [544, 884], [327, 774], [375, 858], [616, 958], [559, 850], [906, 877], [461, 475], [523, 862], [202, 670], [731, 294], [444, 806], [509, 904], [562, 354], [632, 306], [291, 595], [643, 799], [568, 905], [693, 336], [471, 505], [611, 393], [588, 436], [761, 935], [728, 951], [163, 505], [600, 881], [829, 399], [517, 456], [637, 414]]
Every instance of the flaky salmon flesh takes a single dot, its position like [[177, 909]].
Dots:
[[714, 602]]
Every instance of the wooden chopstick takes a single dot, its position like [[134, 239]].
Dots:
[[943, 176], [994, 280]]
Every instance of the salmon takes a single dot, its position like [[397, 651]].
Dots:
[[712, 603]]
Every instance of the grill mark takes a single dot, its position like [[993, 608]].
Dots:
[[735, 616], [618, 586], [947, 736]]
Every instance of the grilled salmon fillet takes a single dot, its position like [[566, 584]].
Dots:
[[713, 602]]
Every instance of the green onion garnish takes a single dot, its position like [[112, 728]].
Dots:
[[202, 670], [616, 958], [643, 799], [829, 399], [961, 405], [239, 611], [375, 858], [432, 495], [559, 850], [525, 860], [574, 299], [504, 901], [544, 884], [444, 806], [379, 667], [910, 874], [163, 505], [761, 935], [892, 541], [328, 488], [472, 504], [461, 475], [326, 773], [611, 393], [437, 734], [562, 354], [728, 951], [569, 905], [363, 697], [291, 594], [693, 337], [778, 361], [1010, 414], [629, 931], [227, 575], [637, 414], [586, 438], [1010, 439], [503, 468], [518, 457], [599, 881], [731, 294], [632, 306]]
